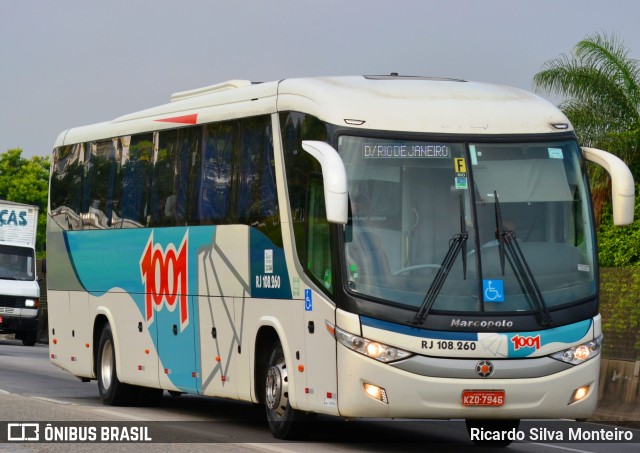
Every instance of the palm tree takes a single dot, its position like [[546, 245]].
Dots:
[[600, 86]]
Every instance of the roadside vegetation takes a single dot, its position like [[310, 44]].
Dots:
[[26, 181]]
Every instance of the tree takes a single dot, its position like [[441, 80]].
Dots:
[[619, 246], [600, 85], [26, 181]]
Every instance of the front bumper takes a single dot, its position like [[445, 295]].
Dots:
[[13, 324], [412, 395]]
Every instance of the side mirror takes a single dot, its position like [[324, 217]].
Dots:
[[336, 197], [622, 187]]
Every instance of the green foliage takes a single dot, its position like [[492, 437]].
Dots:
[[619, 289], [619, 246], [600, 85], [26, 181]]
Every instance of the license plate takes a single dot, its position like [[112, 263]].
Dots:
[[483, 397]]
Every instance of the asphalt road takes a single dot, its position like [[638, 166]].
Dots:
[[34, 391]]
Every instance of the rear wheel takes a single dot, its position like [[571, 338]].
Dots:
[[284, 421], [502, 432], [112, 391]]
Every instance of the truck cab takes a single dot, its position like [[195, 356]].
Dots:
[[19, 289]]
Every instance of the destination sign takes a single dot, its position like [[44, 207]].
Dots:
[[421, 150]]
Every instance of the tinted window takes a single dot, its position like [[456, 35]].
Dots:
[[135, 178], [300, 166], [177, 159], [66, 185], [257, 199], [219, 173], [100, 168], [214, 194]]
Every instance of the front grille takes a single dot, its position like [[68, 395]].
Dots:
[[12, 301]]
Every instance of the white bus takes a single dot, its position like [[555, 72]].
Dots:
[[371, 246]]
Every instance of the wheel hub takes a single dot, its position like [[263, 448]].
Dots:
[[277, 388], [106, 365]]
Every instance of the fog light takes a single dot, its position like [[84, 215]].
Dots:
[[376, 392], [579, 394]]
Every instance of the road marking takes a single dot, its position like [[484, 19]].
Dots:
[[561, 448], [51, 400], [120, 414], [268, 447]]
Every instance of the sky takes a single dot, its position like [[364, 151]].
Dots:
[[67, 63]]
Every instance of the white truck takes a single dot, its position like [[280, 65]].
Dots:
[[19, 289]]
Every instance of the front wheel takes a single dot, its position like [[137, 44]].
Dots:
[[29, 338], [112, 391], [284, 421], [492, 433]]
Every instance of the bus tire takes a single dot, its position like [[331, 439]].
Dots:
[[284, 421], [112, 391], [502, 426]]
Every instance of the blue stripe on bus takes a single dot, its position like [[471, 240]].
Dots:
[[110, 260], [416, 332], [564, 335]]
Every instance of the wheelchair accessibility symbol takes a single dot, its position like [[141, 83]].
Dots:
[[493, 290], [308, 300]]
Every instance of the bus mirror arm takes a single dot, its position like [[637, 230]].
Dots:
[[622, 187], [335, 180]]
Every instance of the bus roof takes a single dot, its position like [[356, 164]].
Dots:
[[392, 103]]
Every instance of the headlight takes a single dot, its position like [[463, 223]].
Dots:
[[31, 303], [581, 353], [379, 351]]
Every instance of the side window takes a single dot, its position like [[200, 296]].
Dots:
[[297, 127], [216, 179], [318, 249], [66, 186], [187, 175], [135, 180], [100, 168], [257, 197], [306, 195], [177, 158]]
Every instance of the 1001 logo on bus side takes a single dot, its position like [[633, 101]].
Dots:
[[164, 274]]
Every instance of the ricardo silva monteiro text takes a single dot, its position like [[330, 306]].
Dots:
[[550, 435]]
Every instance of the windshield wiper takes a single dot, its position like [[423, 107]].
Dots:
[[458, 242], [507, 241]]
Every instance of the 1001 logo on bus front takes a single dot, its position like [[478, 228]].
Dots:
[[525, 342], [164, 274]]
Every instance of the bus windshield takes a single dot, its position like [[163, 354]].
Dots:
[[424, 224]]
